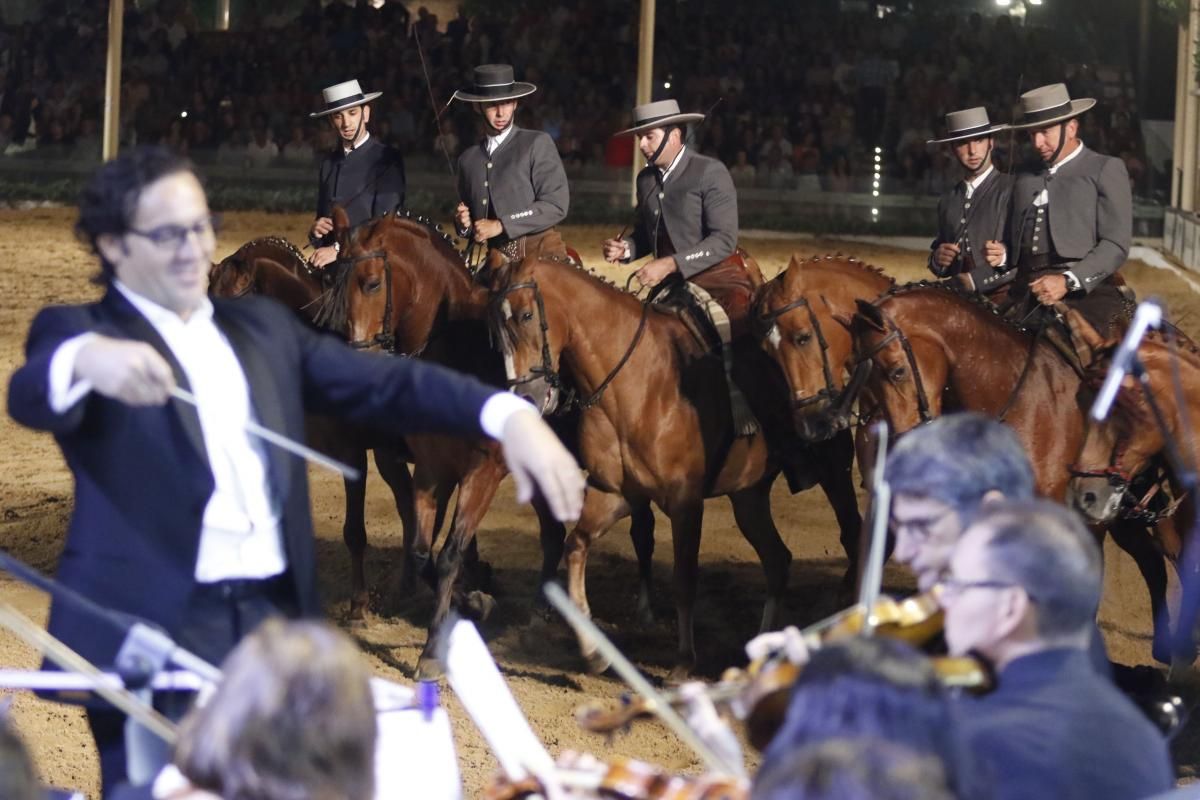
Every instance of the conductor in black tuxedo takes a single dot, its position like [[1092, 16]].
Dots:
[[180, 516]]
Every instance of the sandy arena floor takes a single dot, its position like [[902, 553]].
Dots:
[[44, 264]]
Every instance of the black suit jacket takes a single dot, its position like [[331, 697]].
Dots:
[[984, 219], [142, 476], [367, 182]]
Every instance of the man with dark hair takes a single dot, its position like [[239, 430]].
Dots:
[[363, 175], [180, 516], [1021, 591], [855, 768], [972, 214], [1071, 224], [512, 186]]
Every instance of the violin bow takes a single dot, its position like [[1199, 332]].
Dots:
[[629, 673], [871, 581]]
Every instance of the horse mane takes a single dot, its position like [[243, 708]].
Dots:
[[974, 299], [769, 288], [1132, 408], [333, 311]]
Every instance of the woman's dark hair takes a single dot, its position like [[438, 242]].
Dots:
[[109, 200], [874, 687]]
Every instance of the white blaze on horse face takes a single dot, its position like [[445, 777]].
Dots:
[[510, 369], [774, 336]]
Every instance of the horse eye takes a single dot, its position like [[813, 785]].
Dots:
[[897, 374], [372, 287], [526, 316], [803, 338]]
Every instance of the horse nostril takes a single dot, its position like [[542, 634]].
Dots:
[[1089, 499]]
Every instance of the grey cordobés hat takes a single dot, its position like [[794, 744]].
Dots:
[[342, 96], [970, 123], [658, 114], [1047, 105], [494, 84]]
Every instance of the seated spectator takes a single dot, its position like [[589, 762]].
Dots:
[[776, 171], [292, 719], [297, 151], [872, 687], [261, 150], [743, 172], [840, 178], [1021, 591], [866, 768]]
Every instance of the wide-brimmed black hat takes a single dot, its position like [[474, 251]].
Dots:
[[343, 95], [494, 84], [1047, 105], [970, 123], [658, 114]]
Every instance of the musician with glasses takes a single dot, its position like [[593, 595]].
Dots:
[[1021, 590], [180, 515]]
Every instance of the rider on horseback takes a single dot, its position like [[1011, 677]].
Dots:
[[969, 246], [687, 218], [1071, 223], [512, 187], [364, 176]]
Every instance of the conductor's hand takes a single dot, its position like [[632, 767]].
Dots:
[[994, 252], [323, 256], [320, 227], [945, 254], [462, 217], [537, 459], [132, 372], [614, 250]]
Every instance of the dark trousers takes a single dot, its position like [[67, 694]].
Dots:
[[217, 617]]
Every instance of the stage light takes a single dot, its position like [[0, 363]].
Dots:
[[878, 150], [666, 84], [183, 114], [1004, 3]]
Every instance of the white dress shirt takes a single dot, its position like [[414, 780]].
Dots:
[[970, 187], [348, 150], [493, 142], [240, 536]]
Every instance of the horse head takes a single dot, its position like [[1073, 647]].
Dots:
[[802, 318], [909, 369], [529, 331], [394, 275], [232, 276], [271, 266]]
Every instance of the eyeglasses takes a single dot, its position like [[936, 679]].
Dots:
[[919, 528], [172, 237], [949, 585]]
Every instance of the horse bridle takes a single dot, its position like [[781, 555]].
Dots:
[[1121, 480], [386, 338], [770, 323], [545, 370], [898, 335]]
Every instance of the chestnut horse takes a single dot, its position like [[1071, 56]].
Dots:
[[935, 348], [801, 317], [403, 286], [1117, 474], [656, 424], [273, 267]]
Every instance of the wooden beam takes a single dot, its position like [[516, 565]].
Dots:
[[112, 80], [645, 79]]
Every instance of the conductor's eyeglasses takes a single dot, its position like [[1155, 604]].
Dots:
[[172, 237]]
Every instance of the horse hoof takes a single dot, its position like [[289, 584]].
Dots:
[[680, 673], [428, 669], [597, 664], [480, 576], [479, 605]]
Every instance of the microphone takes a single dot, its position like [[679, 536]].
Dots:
[[1148, 315]]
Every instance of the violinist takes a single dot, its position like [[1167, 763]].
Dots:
[[858, 768], [1022, 589], [872, 687]]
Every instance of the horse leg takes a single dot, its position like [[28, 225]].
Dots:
[[837, 481], [752, 512], [1135, 539], [394, 471], [686, 521], [553, 535], [601, 511], [641, 531], [475, 494], [418, 546], [354, 534]]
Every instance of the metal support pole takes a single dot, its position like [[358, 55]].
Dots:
[[112, 80], [1181, 90], [1187, 198], [223, 15], [645, 78]]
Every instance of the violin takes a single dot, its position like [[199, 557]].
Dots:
[[758, 695], [584, 777]]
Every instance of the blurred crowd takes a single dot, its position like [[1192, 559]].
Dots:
[[783, 116]]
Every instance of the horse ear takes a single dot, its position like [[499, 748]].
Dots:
[[341, 222], [1084, 338], [870, 314]]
